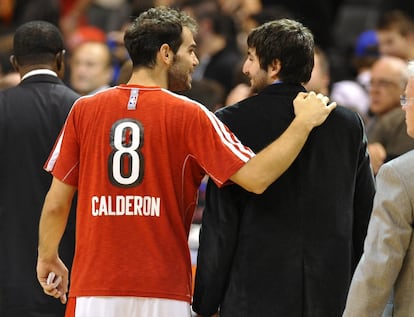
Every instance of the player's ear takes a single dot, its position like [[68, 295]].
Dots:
[[166, 54]]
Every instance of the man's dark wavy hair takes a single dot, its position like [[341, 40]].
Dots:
[[153, 28], [288, 41]]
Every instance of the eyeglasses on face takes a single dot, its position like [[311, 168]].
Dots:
[[405, 101]]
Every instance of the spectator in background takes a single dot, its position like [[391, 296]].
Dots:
[[402, 5], [208, 92], [240, 8], [320, 79], [219, 53], [31, 116], [387, 129], [86, 33], [107, 15], [97, 20], [386, 267], [91, 68], [9, 80], [354, 93], [241, 91], [9, 77], [365, 54], [396, 34]]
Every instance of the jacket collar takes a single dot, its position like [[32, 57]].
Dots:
[[283, 87], [39, 72], [41, 78]]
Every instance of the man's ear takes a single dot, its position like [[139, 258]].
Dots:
[[13, 61], [166, 54], [60, 59], [275, 68]]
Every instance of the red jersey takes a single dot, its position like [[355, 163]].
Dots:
[[137, 155]]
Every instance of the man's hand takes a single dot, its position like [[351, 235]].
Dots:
[[312, 109], [53, 277], [377, 156]]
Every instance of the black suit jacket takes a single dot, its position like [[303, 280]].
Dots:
[[31, 117], [292, 250]]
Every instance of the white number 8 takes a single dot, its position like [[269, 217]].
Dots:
[[125, 164]]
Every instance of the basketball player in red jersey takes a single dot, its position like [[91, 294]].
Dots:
[[136, 155]]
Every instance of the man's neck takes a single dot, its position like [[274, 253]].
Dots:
[[145, 76]]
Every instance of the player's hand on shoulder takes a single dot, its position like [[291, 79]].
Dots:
[[312, 109]]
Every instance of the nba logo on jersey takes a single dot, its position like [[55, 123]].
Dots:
[[133, 98]]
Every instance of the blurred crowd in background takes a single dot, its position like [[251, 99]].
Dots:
[[336, 25]]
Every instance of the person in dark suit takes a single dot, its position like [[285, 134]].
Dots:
[[31, 117], [290, 251]]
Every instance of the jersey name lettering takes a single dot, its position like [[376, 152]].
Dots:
[[146, 206]]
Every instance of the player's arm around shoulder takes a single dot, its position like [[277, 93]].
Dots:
[[258, 173]]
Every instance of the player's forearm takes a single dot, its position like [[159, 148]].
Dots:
[[51, 228], [270, 163], [54, 218]]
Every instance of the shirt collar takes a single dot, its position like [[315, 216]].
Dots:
[[39, 72], [277, 82]]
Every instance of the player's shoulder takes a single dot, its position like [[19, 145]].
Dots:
[[185, 102]]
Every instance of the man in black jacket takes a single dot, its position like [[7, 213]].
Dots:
[[292, 250], [31, 117]]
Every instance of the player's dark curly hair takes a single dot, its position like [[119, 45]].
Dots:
[[152, 29]]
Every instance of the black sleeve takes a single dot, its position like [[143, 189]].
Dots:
[[364, 195], [218, 241]]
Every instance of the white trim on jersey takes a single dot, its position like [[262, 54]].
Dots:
[[230, 140], [54, 155], [244, 153]]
